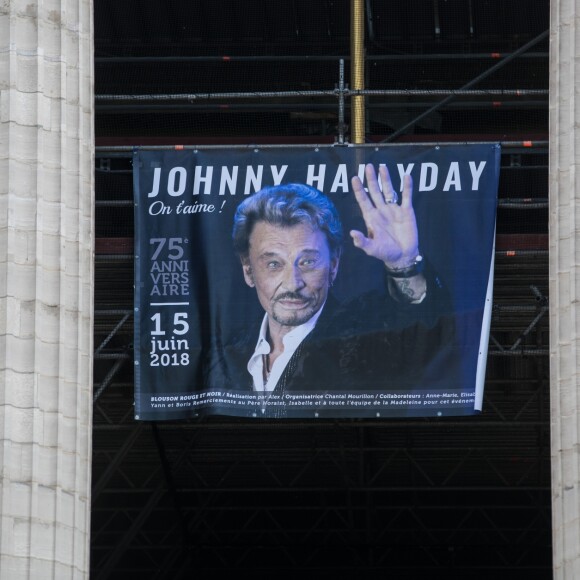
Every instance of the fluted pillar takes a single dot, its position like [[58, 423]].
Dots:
[[564, 293], [46, 287]]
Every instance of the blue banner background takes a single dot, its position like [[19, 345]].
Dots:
[[207, 299]]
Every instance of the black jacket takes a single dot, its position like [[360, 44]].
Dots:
[[371, 343]]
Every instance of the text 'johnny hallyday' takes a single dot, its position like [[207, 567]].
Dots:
[[205, 180]]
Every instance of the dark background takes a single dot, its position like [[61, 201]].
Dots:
[[449, 498]]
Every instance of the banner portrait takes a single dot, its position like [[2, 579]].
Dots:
[[313, 282]]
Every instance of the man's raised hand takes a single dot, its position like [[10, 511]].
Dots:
[[391, 227]]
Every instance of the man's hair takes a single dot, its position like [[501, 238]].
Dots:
[[285, 206]]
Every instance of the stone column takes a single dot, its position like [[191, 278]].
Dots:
[[46, 287], [564, 295]]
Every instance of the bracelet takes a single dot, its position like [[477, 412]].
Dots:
[[414, 268]]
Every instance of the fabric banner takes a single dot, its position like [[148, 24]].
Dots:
[[383, 313]]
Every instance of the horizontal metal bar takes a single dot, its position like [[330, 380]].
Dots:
[[308, 58], [520, 253], [115, 202], [118, 150], [112, 356], [519, 352], [523, 203], [359, 490], [328, 109], [517, 308], [323, 93], [114, 257], [414, 423]]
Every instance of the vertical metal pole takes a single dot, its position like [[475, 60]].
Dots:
[[341, 102], [471, 26], [357, 38], [437, 19]]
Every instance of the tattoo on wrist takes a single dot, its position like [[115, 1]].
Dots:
[[406, 290]]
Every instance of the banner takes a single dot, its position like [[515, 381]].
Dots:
[[376, 307]]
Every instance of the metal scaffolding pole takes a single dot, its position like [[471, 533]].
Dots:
[[357, 70]]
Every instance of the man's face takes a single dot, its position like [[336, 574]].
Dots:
[[291, 269]]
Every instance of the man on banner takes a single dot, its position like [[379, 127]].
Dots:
[[289, 239]]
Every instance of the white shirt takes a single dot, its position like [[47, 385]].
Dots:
[[291, 342]]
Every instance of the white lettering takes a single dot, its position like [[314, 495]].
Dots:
[[156, 180], [228, 179], [205, 179], [278, 175], [179, 175], [476, 173], [404, 171], [313, 178], [453, 177], [253, 178], [340, 179], [428, 171]]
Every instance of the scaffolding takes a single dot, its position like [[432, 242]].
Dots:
[[468, 496]]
